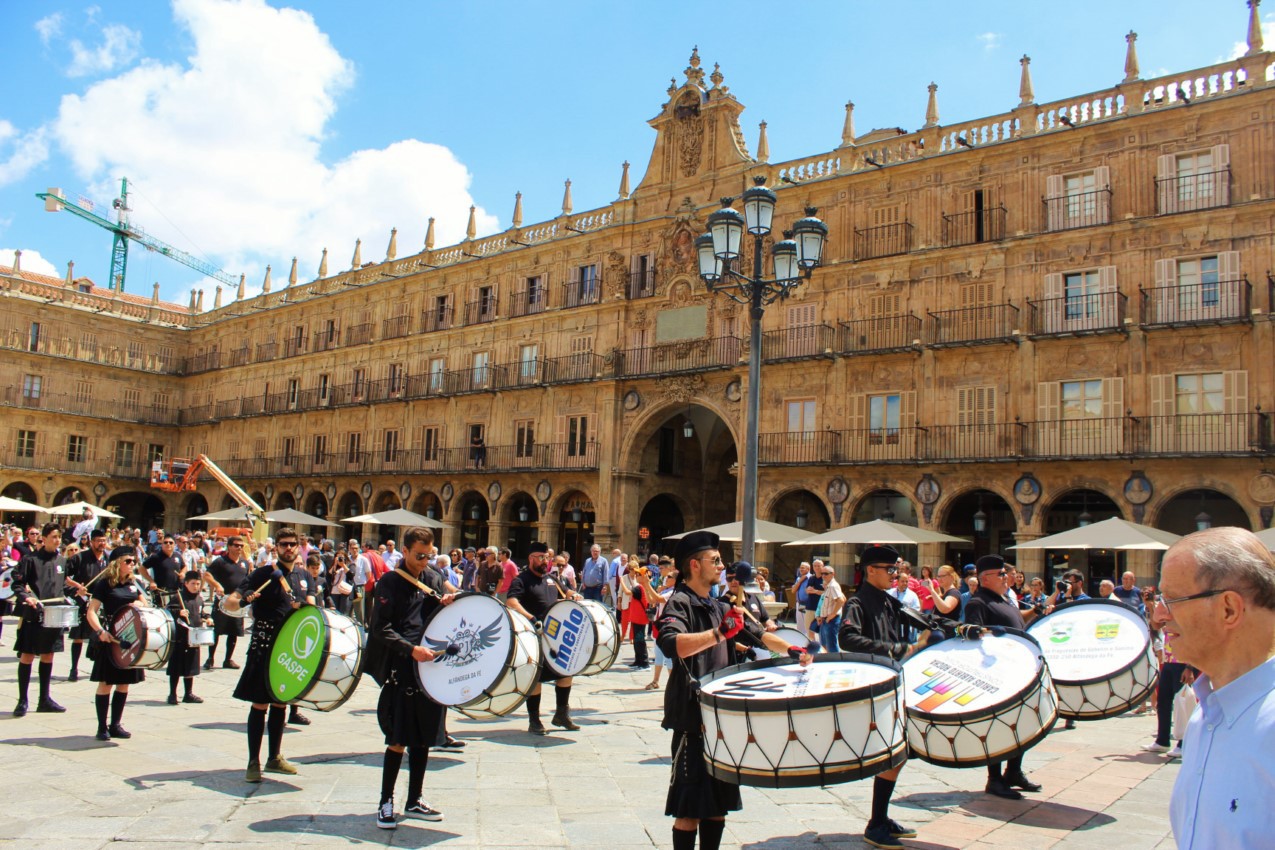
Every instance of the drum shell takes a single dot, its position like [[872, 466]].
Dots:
[[856, 733], [605, 632], [338, 675], [155, 638], [521, 674], [60, 616], [201, 636]]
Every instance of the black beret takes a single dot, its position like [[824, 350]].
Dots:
[[878, 555], [694, 543], [536, 546], [989, 562], [121, 551]]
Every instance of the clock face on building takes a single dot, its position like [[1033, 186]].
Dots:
[[493, 491]]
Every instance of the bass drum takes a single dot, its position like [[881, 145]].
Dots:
[[794, 637], [316, 659], [148, 633], [579, 638], [496, 661]]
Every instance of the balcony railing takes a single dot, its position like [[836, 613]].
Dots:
[[265, 351], [358, 334], [326, 340], [437, 318], [797, 343], [1080, 209], [577, 293], [46, 461], [480, 311], [68, 403], [203, 362], [294, 346], [528, 302], [396, 326], [973, 228], [573, 368], [519, 373], [973, 325], [641, 284], [1193, 192], [886, 333], [1199, 303], [883, 241], [1091, 313], [72, 348], [676, 357], [238, 357]]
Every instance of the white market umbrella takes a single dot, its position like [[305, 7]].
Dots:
[[1268, 538], [76, 508], [291, 516], [240, 514], [733, 532], [17, 505], [397, 516], [1113, 533], [877, 531]]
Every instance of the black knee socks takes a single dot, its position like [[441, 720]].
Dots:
[[533, 705], [274, 729], [882, 790], [994, 772], [24, 680], [417, 760], [172, 686], [710, 834], [256, 729], [103, 703], [562, 697], [231, 640], [389, 774], [46, 676], [1013, 767], [683, 839], [76, 648], [189, 683], [117, 706]]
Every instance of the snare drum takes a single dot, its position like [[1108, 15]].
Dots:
[[149, 633], [60, 616], [316, 659], [201, 636], [792, 636], [1099, 653], [498, 662], [776, 724], [241, 613], [579, 638], [973, 702]]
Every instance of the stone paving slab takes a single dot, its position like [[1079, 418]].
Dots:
[[179, 782]]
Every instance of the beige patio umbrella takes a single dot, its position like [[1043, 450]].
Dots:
[[292, 516], [1267, 537], [19, 506], [733, 532], [76, 508], [877, 531], [397, 516], [1113, 533]]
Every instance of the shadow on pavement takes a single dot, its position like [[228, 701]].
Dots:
[[228, 782], [836, 839], [71, 743], [372, 759], [520, 738], [357, 829]]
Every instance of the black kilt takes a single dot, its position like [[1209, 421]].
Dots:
[[407, 716], [254, 681], [35, 639], [83, 631], [104, 669], [183, 659], [693, 792], [547, 673], [224, 625]]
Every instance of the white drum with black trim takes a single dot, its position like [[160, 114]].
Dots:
[[496, 661], [791, 636], [201, 636], [972, 702], [60, 616], [1100, 656], [579, 638], [143, 637], [776, 724]]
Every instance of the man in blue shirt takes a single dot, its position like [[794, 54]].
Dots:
[[594, 575], [1218, 611], [1130, 594]]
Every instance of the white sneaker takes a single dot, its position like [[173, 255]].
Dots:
[[1154, 747], [1176, 752], [422, 811], [385, 815]]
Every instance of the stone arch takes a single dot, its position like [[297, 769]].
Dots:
[[67, 495], [771, 509], [1179, 510], [648, 423], [284, 500], [20, 490], [896, 501], [348, 504], [316, 504], [558, 502], [511, 502], [385, 500], [424, 501]]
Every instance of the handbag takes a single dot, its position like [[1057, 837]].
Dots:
[[343, 588], [1183, 706]]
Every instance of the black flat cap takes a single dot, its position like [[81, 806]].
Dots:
[[694, 543], [879, 555]]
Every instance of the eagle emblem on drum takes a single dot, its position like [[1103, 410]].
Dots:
[[470, 640]]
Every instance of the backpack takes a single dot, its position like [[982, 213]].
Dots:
[[378, 569], [803, 598]]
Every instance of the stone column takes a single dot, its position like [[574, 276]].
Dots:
[[932, 554], [449, 537], [550, 532], [1145, 564], [498, 533], [1029, 561]]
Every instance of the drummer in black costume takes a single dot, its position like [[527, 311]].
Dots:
[[224, 576], [83, 567], [111, 593], [39, 575], [532, 594], [187, 608], [306, 590], [408, 717], [698, 632], [267, 589], [988, 607], [164, 571]]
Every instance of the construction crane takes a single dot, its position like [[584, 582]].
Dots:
[[123, 230], [180, 474]]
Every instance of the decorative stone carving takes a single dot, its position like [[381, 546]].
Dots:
[[733, 392], [682, 388], [1262, 488], [632, 400], [1138, 490], [493, 492], [616, 277], [928, 490], [690, 134]]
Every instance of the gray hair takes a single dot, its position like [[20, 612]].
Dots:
[[1230, 558], [443, 561]]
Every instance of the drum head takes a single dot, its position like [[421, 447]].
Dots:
[[568, 638], [480, 628], [834, 676], [298, 653], [1092, 640], [129, 628], [970, 678]]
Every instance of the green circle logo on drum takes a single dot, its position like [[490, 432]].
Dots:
[[297, 653]]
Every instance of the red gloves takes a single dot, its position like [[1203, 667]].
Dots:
[[732, 624]]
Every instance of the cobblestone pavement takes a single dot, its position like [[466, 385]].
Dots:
[[179, 781]]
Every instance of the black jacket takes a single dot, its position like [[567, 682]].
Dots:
[[40, 575], [400, 610], [870, 622]]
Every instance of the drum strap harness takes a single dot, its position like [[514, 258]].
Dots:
[[429, 591]]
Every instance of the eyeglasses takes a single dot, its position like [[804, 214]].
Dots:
[[1205, 594], [717, 562], [134, 561], [890, 569], [420, 556], [234, 545], [168, 542], [287, 544]]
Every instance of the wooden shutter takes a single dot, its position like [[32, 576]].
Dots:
[[1163, 407], [1113, 415], [1054, 310], [1048, 411], [1166, 172], [1222, 165], [1235, 392], [1055, 203], [1164, 301], [858, 442], [1101, 181]]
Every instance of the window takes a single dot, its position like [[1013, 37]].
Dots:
[[154, 452], [258, 448], [1198, 283], [481, 372], [437, 369], [1079, 199], [801, 339], [729, 327], [325, 387], [136, 353], [1200, 413], [527, 357], [1080, 191], [801, 416], [31, 385], [390, 445], [294, 389], [132, 400], [320, 453], [1202, 393], [161, 402], [487, 301], [77, 447], [524, 437], [1082, 399], [164, 357], [396, 374], [429, 443], [124, 452], [354, 447], [536, 292], [26, 444], [88, 345], [883, 418], [1194, 180], [577, 435], [33, 341], [440, 317], [583, 287], [1080, 291], [356, 388], [289, 451]]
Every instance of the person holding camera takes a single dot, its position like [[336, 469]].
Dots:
[[1070, 588]]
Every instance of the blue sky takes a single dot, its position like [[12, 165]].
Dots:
[[256, 132]]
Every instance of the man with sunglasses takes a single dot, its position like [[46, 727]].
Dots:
[[39, 575], [163, 571], [83, 567], [1218, 610], [225, 574]]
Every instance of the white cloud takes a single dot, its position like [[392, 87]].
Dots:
[[119, 47], [1268, 40], [20, 152], [31, 262], [989, 40], [49, 27], [226, 145]]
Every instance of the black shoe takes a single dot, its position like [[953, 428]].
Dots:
[[73, 677], [118, 731], [48, 706], [296, 718], [897, 830], [998, 788], [878, 835], [422, 811], [20, 709], [208, 665], [1020, 780], [230, 665], [103, 735], [535, 727], [451, 745], [172, 699], [192, 698], [561, 719]]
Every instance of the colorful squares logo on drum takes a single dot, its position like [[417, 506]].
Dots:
[[941, 687]]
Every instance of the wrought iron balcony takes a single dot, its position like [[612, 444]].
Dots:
[[1193, 192], [886, 333], [480, 311], [973, 228], [1075, 315], [68, 403], [396, 326], [326, 340], [577, 293], [1079, 209], [883, 241], [573, 368], [265, 351], [358, 334], [542, 457], [974, 325], [437, 318], [797, 343], [239, 357], [528, 302], [641, 284], [106, 466], [671, 358], [1217, 302]]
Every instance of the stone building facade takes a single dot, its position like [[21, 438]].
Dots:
[[1024, 322]]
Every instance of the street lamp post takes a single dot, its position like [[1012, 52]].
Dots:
[[794, 259]]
